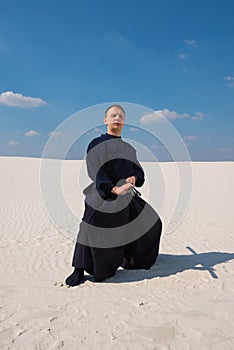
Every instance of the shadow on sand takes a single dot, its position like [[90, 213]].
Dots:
[[167, 265]]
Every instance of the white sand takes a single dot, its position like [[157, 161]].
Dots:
[[185, 301]]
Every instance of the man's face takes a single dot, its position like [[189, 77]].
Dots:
[[115, 120]]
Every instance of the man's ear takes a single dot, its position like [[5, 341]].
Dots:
[[105, 121]]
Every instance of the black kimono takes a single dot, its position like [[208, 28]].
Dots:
[[115, 230]]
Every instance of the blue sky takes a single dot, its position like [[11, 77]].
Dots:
[[176, 57]]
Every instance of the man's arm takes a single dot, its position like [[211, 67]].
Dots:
[[96, 171], [138, 176]]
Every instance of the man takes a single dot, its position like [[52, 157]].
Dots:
[[118, 227]]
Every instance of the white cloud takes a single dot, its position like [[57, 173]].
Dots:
[[228, 77], [13, 143], [191, 43], [191, 137], [58, 134], [161, 114], [230, 84], [12, 99], [31, 133], [182, 56], [198, 116], [55, 133], [114, 37], [225, 149], [134, 129], [188, 144]]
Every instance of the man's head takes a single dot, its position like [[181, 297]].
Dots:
[[114, 119]]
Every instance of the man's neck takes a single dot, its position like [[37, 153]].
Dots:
[[114, 133]]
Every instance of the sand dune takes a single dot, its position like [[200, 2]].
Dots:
[[185, 301]]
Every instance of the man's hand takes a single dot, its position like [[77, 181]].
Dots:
[[131, 180], [121, 190]]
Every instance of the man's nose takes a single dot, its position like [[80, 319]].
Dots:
[[117, 118]]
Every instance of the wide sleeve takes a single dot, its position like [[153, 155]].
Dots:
[[138, 172], [97, 173]]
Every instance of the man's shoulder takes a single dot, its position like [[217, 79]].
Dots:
[[95, 142]]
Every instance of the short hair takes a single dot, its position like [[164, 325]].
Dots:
[[118, 106]]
